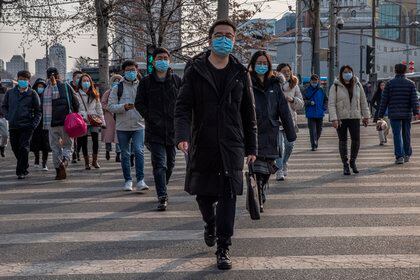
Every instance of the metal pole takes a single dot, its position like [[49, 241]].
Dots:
[[299, 17], [222, 9], [317, 28], [331, 43], [361, 54], [407, 37], [374, 35]]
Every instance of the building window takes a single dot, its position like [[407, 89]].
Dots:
[[378, 68], [385, 69]]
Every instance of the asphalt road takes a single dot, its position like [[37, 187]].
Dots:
[[318, 224]]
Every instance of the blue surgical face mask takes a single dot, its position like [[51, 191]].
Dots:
[[23, 83], [314, 85], [222, 46], [86, 85], [130, 75], [162, 65], [77, 81], [115, 84], [40, 90], [261, 69], [347, 76]]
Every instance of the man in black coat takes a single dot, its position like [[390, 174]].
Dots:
[[215, 125], [155, 101], [22, 109], [400, 98]]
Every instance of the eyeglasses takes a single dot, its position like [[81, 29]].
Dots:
[[227, 35]]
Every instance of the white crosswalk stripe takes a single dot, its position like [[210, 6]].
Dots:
[[88, 226]]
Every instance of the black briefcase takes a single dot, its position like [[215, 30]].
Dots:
[[252, 200]]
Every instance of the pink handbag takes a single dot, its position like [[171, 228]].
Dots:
[[74, 125]]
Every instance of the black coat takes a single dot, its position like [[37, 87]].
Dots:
[[155, 101], [22, 109], [400, 98], [60, 107], [222, 127], [271, 108]]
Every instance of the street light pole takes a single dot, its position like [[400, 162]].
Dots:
[[331, 43]]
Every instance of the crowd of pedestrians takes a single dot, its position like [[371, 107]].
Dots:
[[218, 114]]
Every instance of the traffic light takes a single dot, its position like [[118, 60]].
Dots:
[[370, 56], [411, 67], [149, 57]]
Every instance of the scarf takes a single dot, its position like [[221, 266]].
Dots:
[[51, 92]]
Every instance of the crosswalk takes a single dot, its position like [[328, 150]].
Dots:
[[318, 224]]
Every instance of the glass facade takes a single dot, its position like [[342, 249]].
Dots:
[[389, 14]]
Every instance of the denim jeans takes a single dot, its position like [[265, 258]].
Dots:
[[163, 162], [286, 149], [402, 137], [137, 139]]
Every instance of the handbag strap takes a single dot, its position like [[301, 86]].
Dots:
[[84, 104], [67, 97]]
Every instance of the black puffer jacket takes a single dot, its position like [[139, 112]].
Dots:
[[155, 102], [22, 109], [60, 107], [272, 111], [222, 126]]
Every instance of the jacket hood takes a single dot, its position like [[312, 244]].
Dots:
[[115, 77], [37, 82]]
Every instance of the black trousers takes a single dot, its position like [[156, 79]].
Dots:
[[82, 143], [315, 130], [20, 141], [163, 162], [220, 211], [352, 126]]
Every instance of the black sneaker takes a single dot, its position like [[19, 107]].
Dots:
[[163, 204], [223, 259], [399, 160], [406, 159], [210, 235], [21, 177]]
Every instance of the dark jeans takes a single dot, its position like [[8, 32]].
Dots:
[[315, 130], [219, 211], [82, 143], [352, 126], [402, 137], [20, 141], [163, 162]]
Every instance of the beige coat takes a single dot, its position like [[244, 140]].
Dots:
[[339, 105], [297, 103]]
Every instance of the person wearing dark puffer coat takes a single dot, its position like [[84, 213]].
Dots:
[[400, 98], [272, 111]]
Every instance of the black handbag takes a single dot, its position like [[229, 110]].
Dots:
[[252, 200]]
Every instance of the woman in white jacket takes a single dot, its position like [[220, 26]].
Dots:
[[293, 95], [90, 104], [347, 104]]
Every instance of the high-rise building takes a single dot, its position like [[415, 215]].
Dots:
[[41, 68], [58, 58], [16, 64], [2, 65]]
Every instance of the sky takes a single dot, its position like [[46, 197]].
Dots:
[[83, 45]]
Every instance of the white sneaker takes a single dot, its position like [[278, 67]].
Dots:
[[279, 175], [45, 168], [36, 166], [285, 170], [128, 186], [141, 186]]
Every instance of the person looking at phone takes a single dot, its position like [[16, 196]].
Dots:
[[347, 104], [129, 125]]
